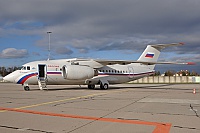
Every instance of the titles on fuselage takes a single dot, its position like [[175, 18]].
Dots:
[[53, 65]]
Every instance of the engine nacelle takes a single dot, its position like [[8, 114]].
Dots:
[[76, 72]]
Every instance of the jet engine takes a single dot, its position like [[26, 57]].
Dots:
[[76, 72]]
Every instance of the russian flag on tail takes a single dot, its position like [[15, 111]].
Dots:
[[149, 55]]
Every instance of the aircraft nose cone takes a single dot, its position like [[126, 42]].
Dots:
[[9, 78]]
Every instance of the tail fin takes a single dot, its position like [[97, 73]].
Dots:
[[152, 52]]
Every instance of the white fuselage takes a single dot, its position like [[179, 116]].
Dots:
[[53, 73]]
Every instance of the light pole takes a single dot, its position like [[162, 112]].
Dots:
[[49, 33]]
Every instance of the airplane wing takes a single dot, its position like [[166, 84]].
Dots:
[[97, 63], [124, 62]]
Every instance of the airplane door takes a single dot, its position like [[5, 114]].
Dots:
[[131, 72], [41, 71]]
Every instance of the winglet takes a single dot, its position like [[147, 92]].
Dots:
[[182, 43], [191, 63]]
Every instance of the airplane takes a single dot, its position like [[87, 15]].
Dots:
[[89, 72]]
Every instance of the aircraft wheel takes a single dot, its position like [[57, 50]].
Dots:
[[104, 86], [26, 88], [91, 86]]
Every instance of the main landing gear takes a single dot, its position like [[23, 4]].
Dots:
[[91, 86], [104, 85]]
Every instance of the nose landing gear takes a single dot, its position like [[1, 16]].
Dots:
[[26, 88]]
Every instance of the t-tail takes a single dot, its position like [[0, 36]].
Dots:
[[152, 52]]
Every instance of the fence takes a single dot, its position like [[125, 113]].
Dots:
[[1, 79], [165, 79], [169, 79]]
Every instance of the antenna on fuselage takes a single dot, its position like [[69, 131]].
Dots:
[[49, 33]]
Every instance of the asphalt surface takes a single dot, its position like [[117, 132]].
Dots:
[[127, 108]]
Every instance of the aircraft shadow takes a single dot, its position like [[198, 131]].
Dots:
[[149, 87]]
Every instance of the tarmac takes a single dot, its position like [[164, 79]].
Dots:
[[124, 108]]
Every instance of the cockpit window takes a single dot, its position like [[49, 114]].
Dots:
[[23, 68], [28, 68]]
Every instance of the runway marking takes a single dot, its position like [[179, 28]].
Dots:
[[159, 127], [68, 99], [162, 100]]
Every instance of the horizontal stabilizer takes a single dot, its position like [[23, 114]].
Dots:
[[162, 46]]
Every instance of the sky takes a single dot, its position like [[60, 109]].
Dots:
[[99, 29]]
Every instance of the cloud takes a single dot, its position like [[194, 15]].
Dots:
[[129, 43], [94, 25], [63, 51], [188, 58], [35, 54], [83, 51], [11, 53]]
